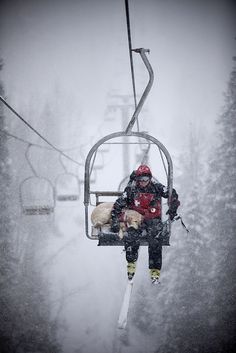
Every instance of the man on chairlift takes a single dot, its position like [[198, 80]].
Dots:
[[143, 195]]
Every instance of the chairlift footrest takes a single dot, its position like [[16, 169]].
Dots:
[[30, 211], [109, 239], [67, 197]]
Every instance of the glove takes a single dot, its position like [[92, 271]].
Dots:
[[115, 226], [172, 214]]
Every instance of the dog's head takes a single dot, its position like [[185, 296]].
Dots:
[[133, 219]]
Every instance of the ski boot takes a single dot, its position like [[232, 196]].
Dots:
[[131, 266], [155, 274]]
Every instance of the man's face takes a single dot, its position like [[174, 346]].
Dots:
[[143, 181]]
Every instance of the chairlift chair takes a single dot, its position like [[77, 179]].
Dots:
[[67, 185], [104, 234], [36, 193]]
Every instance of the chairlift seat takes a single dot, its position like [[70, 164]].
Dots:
[[67, 197], [107, 238], [67, 187], [37, 210]]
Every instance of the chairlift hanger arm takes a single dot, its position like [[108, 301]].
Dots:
[[28, 159], [142, 53], [130, 50], [62, 164]]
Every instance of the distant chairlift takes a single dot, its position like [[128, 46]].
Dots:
[[67, 185], [36, 193], [104, 234]]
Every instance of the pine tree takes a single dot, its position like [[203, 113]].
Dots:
[[25, 324], [7, 261], [178, 312], [186, 309], [222, 205]]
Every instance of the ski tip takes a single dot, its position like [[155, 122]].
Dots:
[[122, 325]]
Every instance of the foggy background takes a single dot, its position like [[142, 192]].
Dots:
[[65, 66]]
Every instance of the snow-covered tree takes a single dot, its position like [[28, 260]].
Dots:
[[175, 318], [179, 310], [25, 323], [221, 198], [188, 312], [7, 261]]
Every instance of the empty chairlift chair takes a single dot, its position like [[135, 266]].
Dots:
[[37, 196], [36, 193], [67, 185]]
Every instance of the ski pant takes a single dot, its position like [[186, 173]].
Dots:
[[153, 228]]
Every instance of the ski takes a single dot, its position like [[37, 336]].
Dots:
[[123, 317]]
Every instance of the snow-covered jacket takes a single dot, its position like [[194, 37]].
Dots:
[[146, 201]]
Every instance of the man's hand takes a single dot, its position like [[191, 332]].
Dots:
[[172, 214]]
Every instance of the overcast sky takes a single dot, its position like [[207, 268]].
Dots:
[[81, 48]]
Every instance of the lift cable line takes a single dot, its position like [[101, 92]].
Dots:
[[130, 50], [133, 78], [24, 141], [37, 145], [131, 57], [35, 131]]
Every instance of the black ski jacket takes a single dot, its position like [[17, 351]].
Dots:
[[146, 201]]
